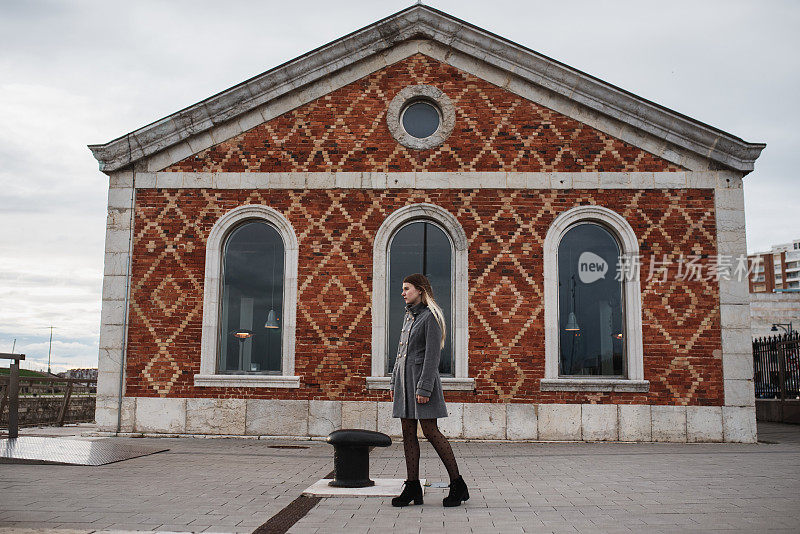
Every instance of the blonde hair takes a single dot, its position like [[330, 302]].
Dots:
[[422, 284]]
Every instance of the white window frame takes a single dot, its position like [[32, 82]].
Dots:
[[380, 256], [209, 347], [632, 309]]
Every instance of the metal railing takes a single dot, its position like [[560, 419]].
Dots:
[[26, 401], [776, 367]]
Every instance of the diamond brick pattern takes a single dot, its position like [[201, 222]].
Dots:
[[495, 130], [506, 230]]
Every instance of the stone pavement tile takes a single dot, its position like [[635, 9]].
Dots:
[[532, 525], [186, 518], [173, 528], [227, 520], [508, 526], [132, 526], [148, 517], [16, 527], [254, 521], [549, 515], [666, 519], [228, 529], [305, 526], [329, 530], [604, 519], [477, 522], [29, 515], [97, 525]]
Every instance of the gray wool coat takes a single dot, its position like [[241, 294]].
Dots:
[[416, 370]]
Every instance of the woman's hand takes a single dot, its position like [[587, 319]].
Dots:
[[422, 400], [391, 395]]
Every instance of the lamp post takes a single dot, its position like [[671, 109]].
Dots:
[[242, 335], [787, 327]]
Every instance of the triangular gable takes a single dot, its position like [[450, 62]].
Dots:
[[632, 119], [495, 130]]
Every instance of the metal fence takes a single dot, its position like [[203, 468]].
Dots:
[[776, 366], [49, 400]]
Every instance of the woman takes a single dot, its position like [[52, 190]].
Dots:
[[416, 389]]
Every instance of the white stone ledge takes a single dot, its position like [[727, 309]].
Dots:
[[448, 383], [120, 180], [247, 381], [432, 180], [145, 180], [594, 384]]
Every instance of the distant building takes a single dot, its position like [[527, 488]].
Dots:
[[83, 374], [776, 270]]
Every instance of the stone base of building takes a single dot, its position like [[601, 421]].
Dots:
[[538, 422]]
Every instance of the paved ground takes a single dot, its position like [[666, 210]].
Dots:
[[235, 485]]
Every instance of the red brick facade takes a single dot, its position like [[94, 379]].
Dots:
[[495, 130], [505, 229]]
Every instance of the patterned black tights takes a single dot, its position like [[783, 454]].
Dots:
[[437, 439]]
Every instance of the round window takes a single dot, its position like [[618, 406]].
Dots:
[[421, 119]]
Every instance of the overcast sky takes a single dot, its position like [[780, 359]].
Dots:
[[74, 73]]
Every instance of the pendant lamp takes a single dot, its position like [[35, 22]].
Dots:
[[272, 321], [572, 323]]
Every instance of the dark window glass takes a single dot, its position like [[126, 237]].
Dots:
[[421, 119], [420, 247], [590, 303], [252, 293]]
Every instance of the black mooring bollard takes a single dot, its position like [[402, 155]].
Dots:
[[351, 456]]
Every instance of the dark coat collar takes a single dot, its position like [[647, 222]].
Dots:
[[415, 309]]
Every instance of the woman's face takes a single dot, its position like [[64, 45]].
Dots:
[[411, 294]]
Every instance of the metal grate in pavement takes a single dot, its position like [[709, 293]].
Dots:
[[35, 450], [293, 512]]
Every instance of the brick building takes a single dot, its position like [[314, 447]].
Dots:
[[776, 270], [256, 242]]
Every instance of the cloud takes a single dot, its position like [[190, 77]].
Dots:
[[66, 353]]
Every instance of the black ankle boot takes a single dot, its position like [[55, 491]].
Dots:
[[458, 493], [411, 492]]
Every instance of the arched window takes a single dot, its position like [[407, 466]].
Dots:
[[249, 301], [252, 298], [590, 302], [593, 309], [420, 246], [428, 239]]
